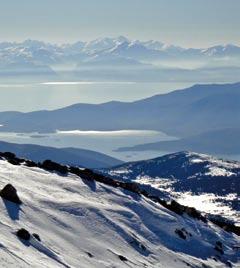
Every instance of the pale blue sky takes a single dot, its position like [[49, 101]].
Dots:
[[190, 23]]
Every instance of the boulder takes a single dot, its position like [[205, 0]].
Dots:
[[176, 207], [122, 258], [23, 234], [75, 170], [30, 163], [10, 193], [11, 158], [8, 155], [53, 166], [90, 255], [15, 161], [36, 236], [181, 234]]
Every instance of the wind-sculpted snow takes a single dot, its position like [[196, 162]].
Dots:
[[84, 223], [209, 184]]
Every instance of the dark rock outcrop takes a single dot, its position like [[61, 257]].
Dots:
[[183, 233], [23, 234], [53, 166], [30, 163], [36, 236], [225, 224], [180, 209], [7, 155], [11, 158], [10, 193], [90, 255], [122, 258]]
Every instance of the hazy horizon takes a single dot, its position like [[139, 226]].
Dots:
[[59, 43], [186, 23]]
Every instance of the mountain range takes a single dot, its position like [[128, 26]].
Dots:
[[46, 53], [218, 142], [66, 156], [202, 117], [103, 58]]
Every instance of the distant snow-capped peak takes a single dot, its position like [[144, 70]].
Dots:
[[221, 49]]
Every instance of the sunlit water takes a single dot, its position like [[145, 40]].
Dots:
[[102, 141], [106, 142], [52, 95]]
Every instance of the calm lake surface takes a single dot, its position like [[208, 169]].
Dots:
[[105, 142], [51, 95]]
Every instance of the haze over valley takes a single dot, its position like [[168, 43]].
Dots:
[[119, 134], [117, 59]]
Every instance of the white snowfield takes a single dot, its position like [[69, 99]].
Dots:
[[146, 173], [88, 224]]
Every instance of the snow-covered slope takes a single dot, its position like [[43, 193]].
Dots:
[[82, 223], [222, 50], [209, 184]]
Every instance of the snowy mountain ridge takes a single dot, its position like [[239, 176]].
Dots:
[[46, 53], [208, 183], [83, 60], [85, 223]]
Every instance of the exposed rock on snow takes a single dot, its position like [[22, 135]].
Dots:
[[23, 234], [10, 193], [207, 183], [102, 223], [37, 237]]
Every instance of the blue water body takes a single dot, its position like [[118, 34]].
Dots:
[[105, 142], [52, 95]]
